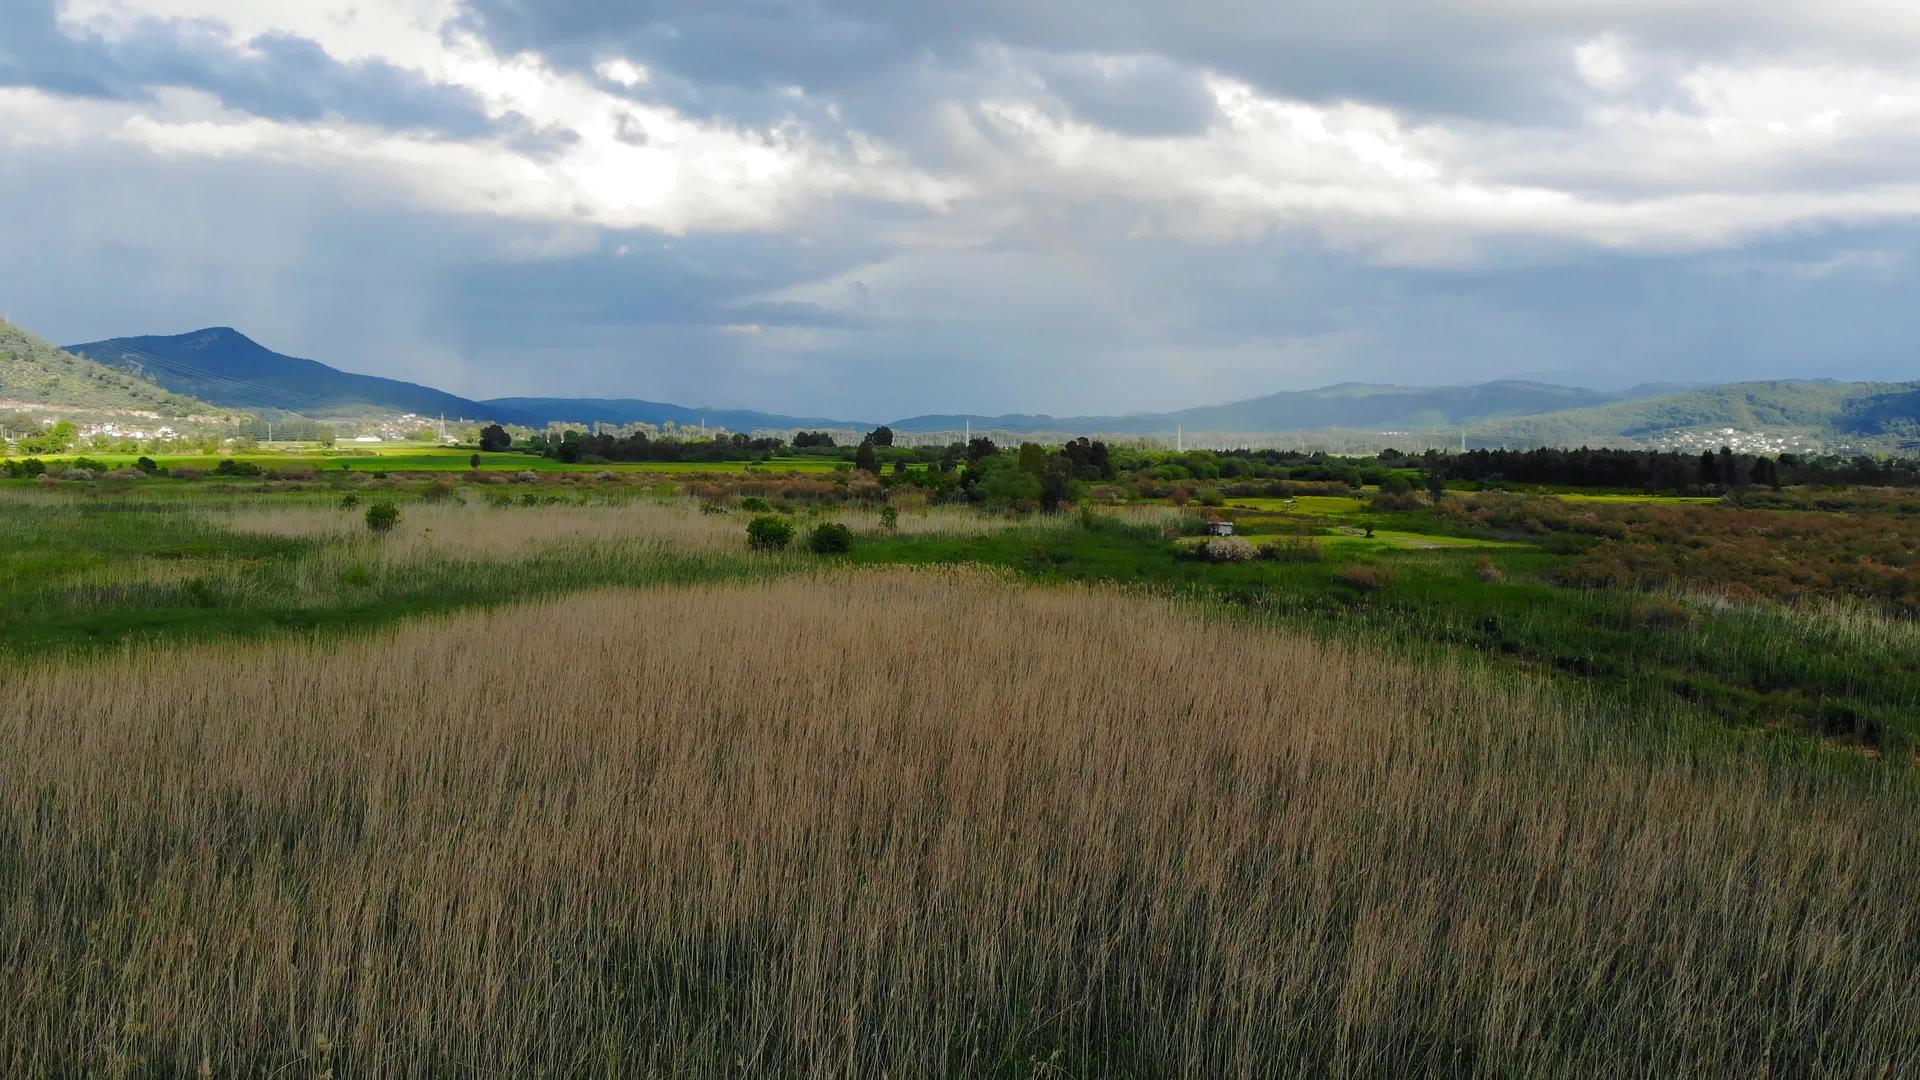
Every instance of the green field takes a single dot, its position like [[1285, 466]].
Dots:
[[422, 458]]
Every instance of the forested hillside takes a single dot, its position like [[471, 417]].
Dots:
[[1864, 412], [35, 372]]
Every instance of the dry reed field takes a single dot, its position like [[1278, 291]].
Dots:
[[912, 825]]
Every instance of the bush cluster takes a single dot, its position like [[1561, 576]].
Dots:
[[769, 532], [830, 538]]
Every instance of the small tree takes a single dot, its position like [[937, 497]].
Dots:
[[494, 438], [830, 538], [146, 465], [769, 532], [473, 461], [866, 460], [889, 518], [881, 436], [382, 517]]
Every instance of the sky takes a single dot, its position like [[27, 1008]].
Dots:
[[868, 208]]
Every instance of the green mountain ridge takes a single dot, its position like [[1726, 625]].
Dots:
[[34, 372], [1877, 415]]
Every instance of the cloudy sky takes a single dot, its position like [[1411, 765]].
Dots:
[[871, 208]]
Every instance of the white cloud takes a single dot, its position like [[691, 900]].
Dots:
[[1603, 62]]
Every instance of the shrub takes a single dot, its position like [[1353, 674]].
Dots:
[[1403, 500], [755, 504], [889, 518], [438, 491], [1293, 549], [830, 538], [382, 516], [1364, 578], [1484, 569], [89, 464], [769, 532], [234, 467], [526, 476], [349, 501], [1210, 497], [1226, 549]]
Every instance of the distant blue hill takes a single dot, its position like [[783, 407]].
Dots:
[[1347, 405], [539, 411], [222, 366]]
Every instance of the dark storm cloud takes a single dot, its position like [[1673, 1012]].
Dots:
[[277, 76], [331, 271], [1409, 55], [1506, 62]]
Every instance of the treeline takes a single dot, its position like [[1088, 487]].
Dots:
[[574, 447], [1662, 470]]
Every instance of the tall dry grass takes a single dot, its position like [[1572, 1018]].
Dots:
[[915, 825]]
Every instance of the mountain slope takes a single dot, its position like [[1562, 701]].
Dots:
[[222, 365], [1347, 405], [35, 372], [1823, 408], [536, 412]]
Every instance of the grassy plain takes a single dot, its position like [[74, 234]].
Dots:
[[413, 457], [559, 777], [948, 825]]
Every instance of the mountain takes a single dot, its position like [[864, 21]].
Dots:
[[1859, 412], [224, 366], [34, 372], [1347, 405], [536, 412]]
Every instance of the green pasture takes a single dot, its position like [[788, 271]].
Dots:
[[1620, 499], [416, 458], [1320, 505], [1414, 541]]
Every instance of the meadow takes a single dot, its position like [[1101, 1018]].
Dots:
[[568, 838], [561, 777]]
